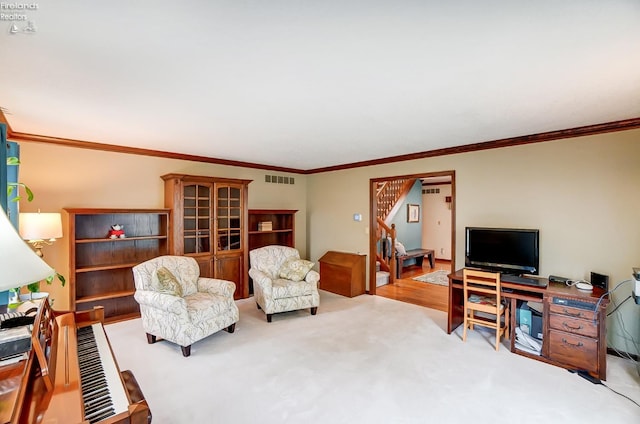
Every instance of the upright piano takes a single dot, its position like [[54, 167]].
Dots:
[[71, 375]]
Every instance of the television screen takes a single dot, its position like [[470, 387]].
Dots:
[[508, 250]]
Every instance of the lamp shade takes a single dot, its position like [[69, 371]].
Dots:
[[40, 226], [19, 264]]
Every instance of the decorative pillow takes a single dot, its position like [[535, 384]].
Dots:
[[400, 248], [167, 283], [295, 269]]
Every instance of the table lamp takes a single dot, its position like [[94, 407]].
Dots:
[[19, 264]]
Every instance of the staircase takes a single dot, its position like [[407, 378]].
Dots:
[[389, 196], [382, 277]]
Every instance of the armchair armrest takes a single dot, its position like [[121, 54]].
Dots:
[[216, 286], [261, 279], [312, 277], [164, 302]]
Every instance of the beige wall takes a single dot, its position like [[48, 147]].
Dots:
[[63, 177], [581, 193]]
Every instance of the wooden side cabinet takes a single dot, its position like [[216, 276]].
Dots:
[[209, 223], [575, 333], [100, 267], [343, 273]]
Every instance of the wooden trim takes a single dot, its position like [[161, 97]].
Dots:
[[622, 125], [95, 211], [272, 211], [373, 219], [627, 124], [204, 179], [373, 222], [23, 137]]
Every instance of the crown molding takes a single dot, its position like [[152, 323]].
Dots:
[[622, 125], [627, 124], [34, 138]]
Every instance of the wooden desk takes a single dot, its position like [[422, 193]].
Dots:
[[573, 337]]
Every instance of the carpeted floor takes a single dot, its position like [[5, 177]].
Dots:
[[437, 277], [365, 359]]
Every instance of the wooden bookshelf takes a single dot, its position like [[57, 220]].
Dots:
[[282, 227], [100, 267]]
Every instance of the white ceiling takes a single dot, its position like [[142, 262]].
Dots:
[[309, 84]]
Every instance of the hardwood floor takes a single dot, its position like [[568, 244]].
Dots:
[[424, 294]]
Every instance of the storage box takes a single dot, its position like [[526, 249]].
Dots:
[[524, 316], [265, 226], [14, 341], [529, 321]]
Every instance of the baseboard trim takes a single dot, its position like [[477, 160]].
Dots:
[[624, 355]]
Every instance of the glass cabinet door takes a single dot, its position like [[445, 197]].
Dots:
[[197, 218], [229, 218]]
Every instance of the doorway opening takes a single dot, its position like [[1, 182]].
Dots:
[[436, 226]]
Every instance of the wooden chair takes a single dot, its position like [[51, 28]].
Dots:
[[482, 294]]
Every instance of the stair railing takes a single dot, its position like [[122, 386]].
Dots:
[[389, 196], [386, 252]]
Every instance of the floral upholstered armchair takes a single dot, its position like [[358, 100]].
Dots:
[[180, 306], [282, 281]]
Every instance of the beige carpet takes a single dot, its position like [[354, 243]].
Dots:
[[361, 360], [437, 277]]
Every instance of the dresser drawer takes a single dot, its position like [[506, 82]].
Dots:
[[573, 325], [577, 351], [571, 312]]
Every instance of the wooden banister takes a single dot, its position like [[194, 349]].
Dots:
[[390, 195], [387, 263]]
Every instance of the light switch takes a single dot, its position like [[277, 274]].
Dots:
[[357, 217]]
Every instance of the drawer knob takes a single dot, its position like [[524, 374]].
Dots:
[[579, 344], [572, 328]]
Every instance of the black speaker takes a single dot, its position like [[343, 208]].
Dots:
[[600, 281]]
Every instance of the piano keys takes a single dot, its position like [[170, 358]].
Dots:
[[102, 390], [71, 375]]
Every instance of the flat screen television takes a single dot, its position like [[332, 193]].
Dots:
[[507, 250]]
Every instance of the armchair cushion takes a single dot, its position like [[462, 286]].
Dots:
[[284, 289], [163, 281], [295, 269]]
